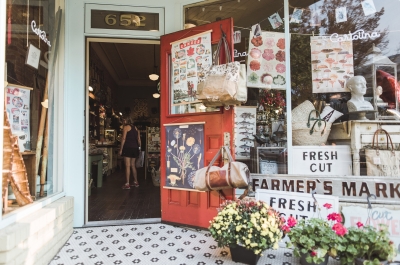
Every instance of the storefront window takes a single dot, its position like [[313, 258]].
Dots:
[[32, 68], [344, 81], [344, 86]]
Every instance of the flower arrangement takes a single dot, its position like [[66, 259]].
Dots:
[[248, 223], [367, 243], [315, 238]]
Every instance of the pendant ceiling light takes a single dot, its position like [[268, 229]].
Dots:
[[154, 76]]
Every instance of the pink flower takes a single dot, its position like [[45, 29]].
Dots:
[[291, 221], [269, 42], [285, 228], [359, 224], [268, 54], [339, 229], [327, 205], [280, 68], [313, 253], [335, 217]]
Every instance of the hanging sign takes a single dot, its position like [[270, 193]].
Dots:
[[357, 35], [322, 160], [354, 189], [17, 106], [375, 216], [331, 64], [41, 33], [266, 66], [245, 128], [189, 57], [299, 205], [237, 36]]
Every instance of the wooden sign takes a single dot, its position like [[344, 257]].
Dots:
[[299, 205], [322, 160], [379, 215], [348, 189]]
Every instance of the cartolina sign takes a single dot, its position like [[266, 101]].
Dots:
[[322, 160]]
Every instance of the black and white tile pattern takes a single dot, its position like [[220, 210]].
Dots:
[[153, 244]]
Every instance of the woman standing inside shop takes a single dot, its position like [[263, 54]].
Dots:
[[130, 149]]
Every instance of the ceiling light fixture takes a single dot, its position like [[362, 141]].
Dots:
[[120, 113], [220, 8], [154, 76], [90, 88], [156, 95]]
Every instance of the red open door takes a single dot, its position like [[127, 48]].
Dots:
[[184, 206]]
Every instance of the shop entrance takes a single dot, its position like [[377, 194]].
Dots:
[[118, 83]]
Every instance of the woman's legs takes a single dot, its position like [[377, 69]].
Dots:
[[134, 172], [127, 161]]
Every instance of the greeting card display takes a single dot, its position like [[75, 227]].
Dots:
[[184, 154], [189, 55], [266, 66], [17, 106], [332, 64]]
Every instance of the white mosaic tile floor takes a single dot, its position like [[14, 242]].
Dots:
[[153, 244]]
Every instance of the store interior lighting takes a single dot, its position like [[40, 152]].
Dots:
[[90, 88], [156, 95], [154, 76]]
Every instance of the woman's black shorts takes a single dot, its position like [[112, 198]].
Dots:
[[130, 152]]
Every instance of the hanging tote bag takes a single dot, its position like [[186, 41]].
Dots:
[[140, 160], [382, 162], [223, 84], [232, 175]]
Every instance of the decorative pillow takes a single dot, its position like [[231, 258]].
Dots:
[[330, 115]]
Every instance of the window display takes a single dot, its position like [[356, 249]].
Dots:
[[32, 52]]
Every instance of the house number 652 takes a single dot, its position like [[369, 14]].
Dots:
[[125, 20]]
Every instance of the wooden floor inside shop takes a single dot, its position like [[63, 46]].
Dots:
[[111, 202]]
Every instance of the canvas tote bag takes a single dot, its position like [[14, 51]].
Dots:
[[382, 162], [232, 175], [223, 84]]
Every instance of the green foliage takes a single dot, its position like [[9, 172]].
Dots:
[[369, 243], [251, 224], [315, 238]]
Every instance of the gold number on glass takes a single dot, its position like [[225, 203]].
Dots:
[[125, 20], [111, 20]]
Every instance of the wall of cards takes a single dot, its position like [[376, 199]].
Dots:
[[17, 106]]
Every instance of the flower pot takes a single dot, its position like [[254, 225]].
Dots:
[[360, 261], [303, 260], [243, 255]]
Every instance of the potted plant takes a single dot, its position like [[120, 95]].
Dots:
[[247, 227], [367, 245], [315, 239]]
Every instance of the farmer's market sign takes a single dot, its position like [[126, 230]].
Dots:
[[347, 188]]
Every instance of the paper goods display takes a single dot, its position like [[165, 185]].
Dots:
[[266, 67], [189, 56], [331, 63], [17, 106], [245, 128]]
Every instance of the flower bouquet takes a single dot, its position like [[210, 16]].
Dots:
[[315, 239], [367, 245], [251, 224]]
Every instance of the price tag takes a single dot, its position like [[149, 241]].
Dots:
[[377, 160]]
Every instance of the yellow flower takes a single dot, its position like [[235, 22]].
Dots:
[[250, 236], [276, 246], [256, 252], [238, 228], [190, 141], [219, 232], [217, 226], [253, 245], [247, 241]]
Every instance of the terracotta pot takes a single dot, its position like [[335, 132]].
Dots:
[[303, 260], [243, 255], [359, 261]]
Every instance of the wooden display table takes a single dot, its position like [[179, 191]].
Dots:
[[359, 133]]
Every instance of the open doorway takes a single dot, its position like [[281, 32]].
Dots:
[[118, 83]]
